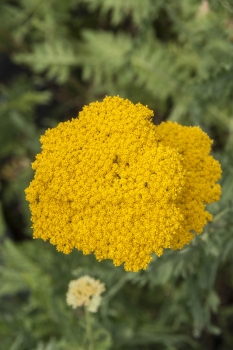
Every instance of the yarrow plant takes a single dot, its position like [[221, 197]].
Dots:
[[85, 291], [113, 183]]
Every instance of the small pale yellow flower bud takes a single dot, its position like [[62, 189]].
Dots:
[[85, 291]]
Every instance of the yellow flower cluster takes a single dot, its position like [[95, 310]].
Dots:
[[85, 291], [113, 183]]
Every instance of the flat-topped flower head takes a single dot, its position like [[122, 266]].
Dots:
[[113, 183]]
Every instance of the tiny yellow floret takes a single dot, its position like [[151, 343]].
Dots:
[[113, 183]]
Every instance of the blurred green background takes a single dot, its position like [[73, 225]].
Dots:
[[55, 57]]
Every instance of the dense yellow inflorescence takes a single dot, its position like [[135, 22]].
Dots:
[[113, 183]]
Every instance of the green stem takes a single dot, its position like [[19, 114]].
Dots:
[[89, 329]]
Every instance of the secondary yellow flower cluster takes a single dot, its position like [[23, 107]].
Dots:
[[85, 291], [113, 183]]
